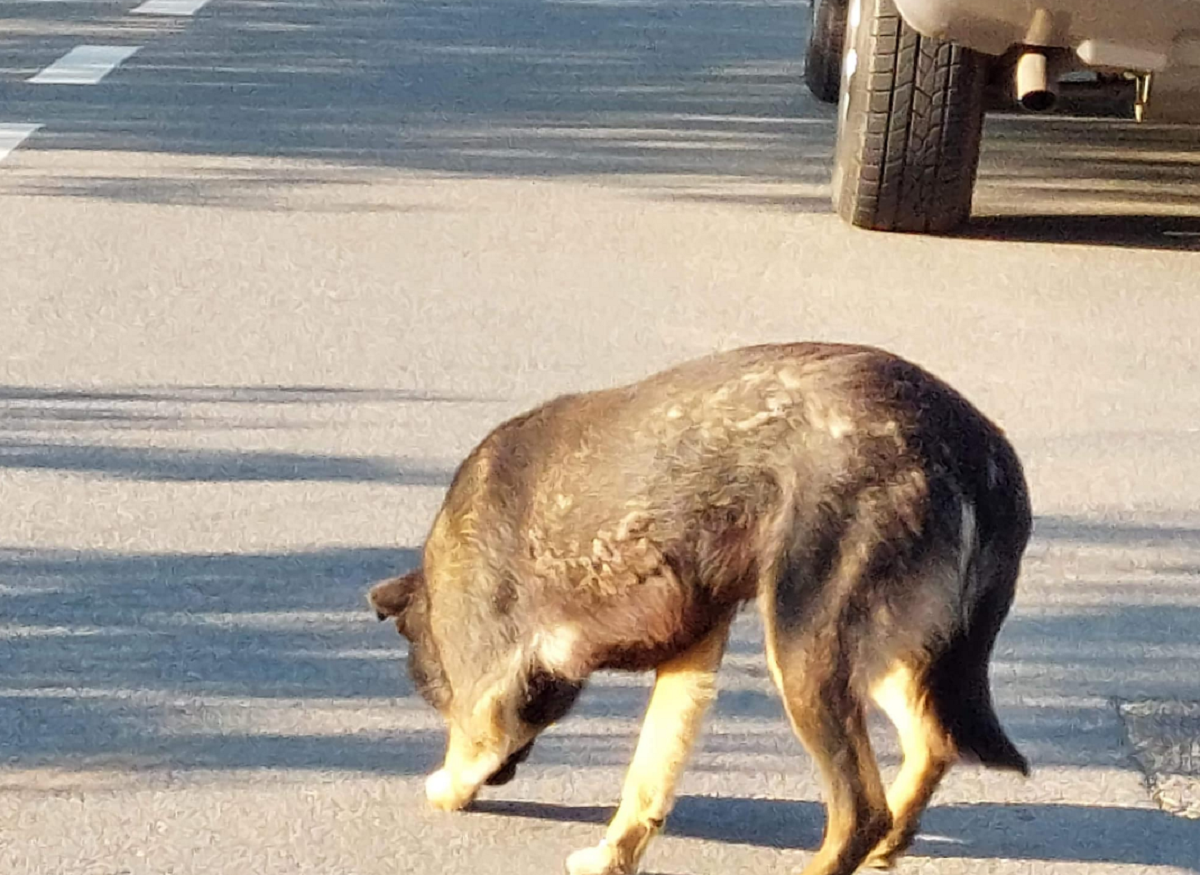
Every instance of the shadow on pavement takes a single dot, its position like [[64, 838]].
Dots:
[[100, 650], [1116, 533], [1168, 232], [213, 466], [62, 416], [1090, 181], [482, 88], [102, 655], [710, 94], [237, 624], [220, 394], [1044, 832]]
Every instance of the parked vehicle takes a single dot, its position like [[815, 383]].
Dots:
[[914, 79]]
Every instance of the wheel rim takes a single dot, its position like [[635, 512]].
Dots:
[[849, 68], [850, 56]]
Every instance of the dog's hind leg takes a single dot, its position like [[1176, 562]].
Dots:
[[816, 620], [683, 689], [941, 703], [829, 718], [928, 754]]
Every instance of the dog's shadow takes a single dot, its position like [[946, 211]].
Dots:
[[1040, 831]]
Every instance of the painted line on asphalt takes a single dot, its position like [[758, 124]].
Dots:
[[171, 7], [12, 136], [84, 65]]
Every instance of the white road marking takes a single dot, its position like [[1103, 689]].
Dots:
[[84, 65], [12, 136], [171, 7], [941, 840]]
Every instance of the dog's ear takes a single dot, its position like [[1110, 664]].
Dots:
[[392, 597]]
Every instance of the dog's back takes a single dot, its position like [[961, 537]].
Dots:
[[635, 516]]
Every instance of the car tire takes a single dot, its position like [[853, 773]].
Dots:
[[823, 59], [910, 121]]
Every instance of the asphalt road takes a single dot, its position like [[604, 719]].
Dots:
[[266, 282]]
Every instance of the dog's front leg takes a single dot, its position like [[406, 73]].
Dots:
[[683, 689], [467, 766]]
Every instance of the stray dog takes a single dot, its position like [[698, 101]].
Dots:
[[877, 517]]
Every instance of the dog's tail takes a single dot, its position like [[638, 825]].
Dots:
[[958, 686], [958, 680]]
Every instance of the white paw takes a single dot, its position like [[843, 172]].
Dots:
[[444, 794], [600, 860]]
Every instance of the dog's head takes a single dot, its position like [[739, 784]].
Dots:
[[405, 600], [493, 718]]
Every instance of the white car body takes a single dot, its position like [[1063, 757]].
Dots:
[[1161, 37]]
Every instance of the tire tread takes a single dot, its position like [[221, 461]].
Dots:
[[910, 163]]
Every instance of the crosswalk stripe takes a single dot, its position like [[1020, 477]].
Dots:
[[84, 65], [171, 7], [12, 136]]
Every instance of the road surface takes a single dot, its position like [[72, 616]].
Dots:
[[280, 265]]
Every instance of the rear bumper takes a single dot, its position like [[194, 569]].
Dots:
[[1151, 35]]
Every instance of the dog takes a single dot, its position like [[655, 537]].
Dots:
[[877, 517]]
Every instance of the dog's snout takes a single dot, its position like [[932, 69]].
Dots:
[[508, 771]]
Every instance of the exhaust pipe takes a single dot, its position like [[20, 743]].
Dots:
[[1037, 87]]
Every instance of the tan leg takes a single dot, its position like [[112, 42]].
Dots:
[[478, 745], [828, 718], [467, 766], [683, 689], [928, 755], [831, 724]]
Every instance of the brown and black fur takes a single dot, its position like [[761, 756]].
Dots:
[[876, 516]]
